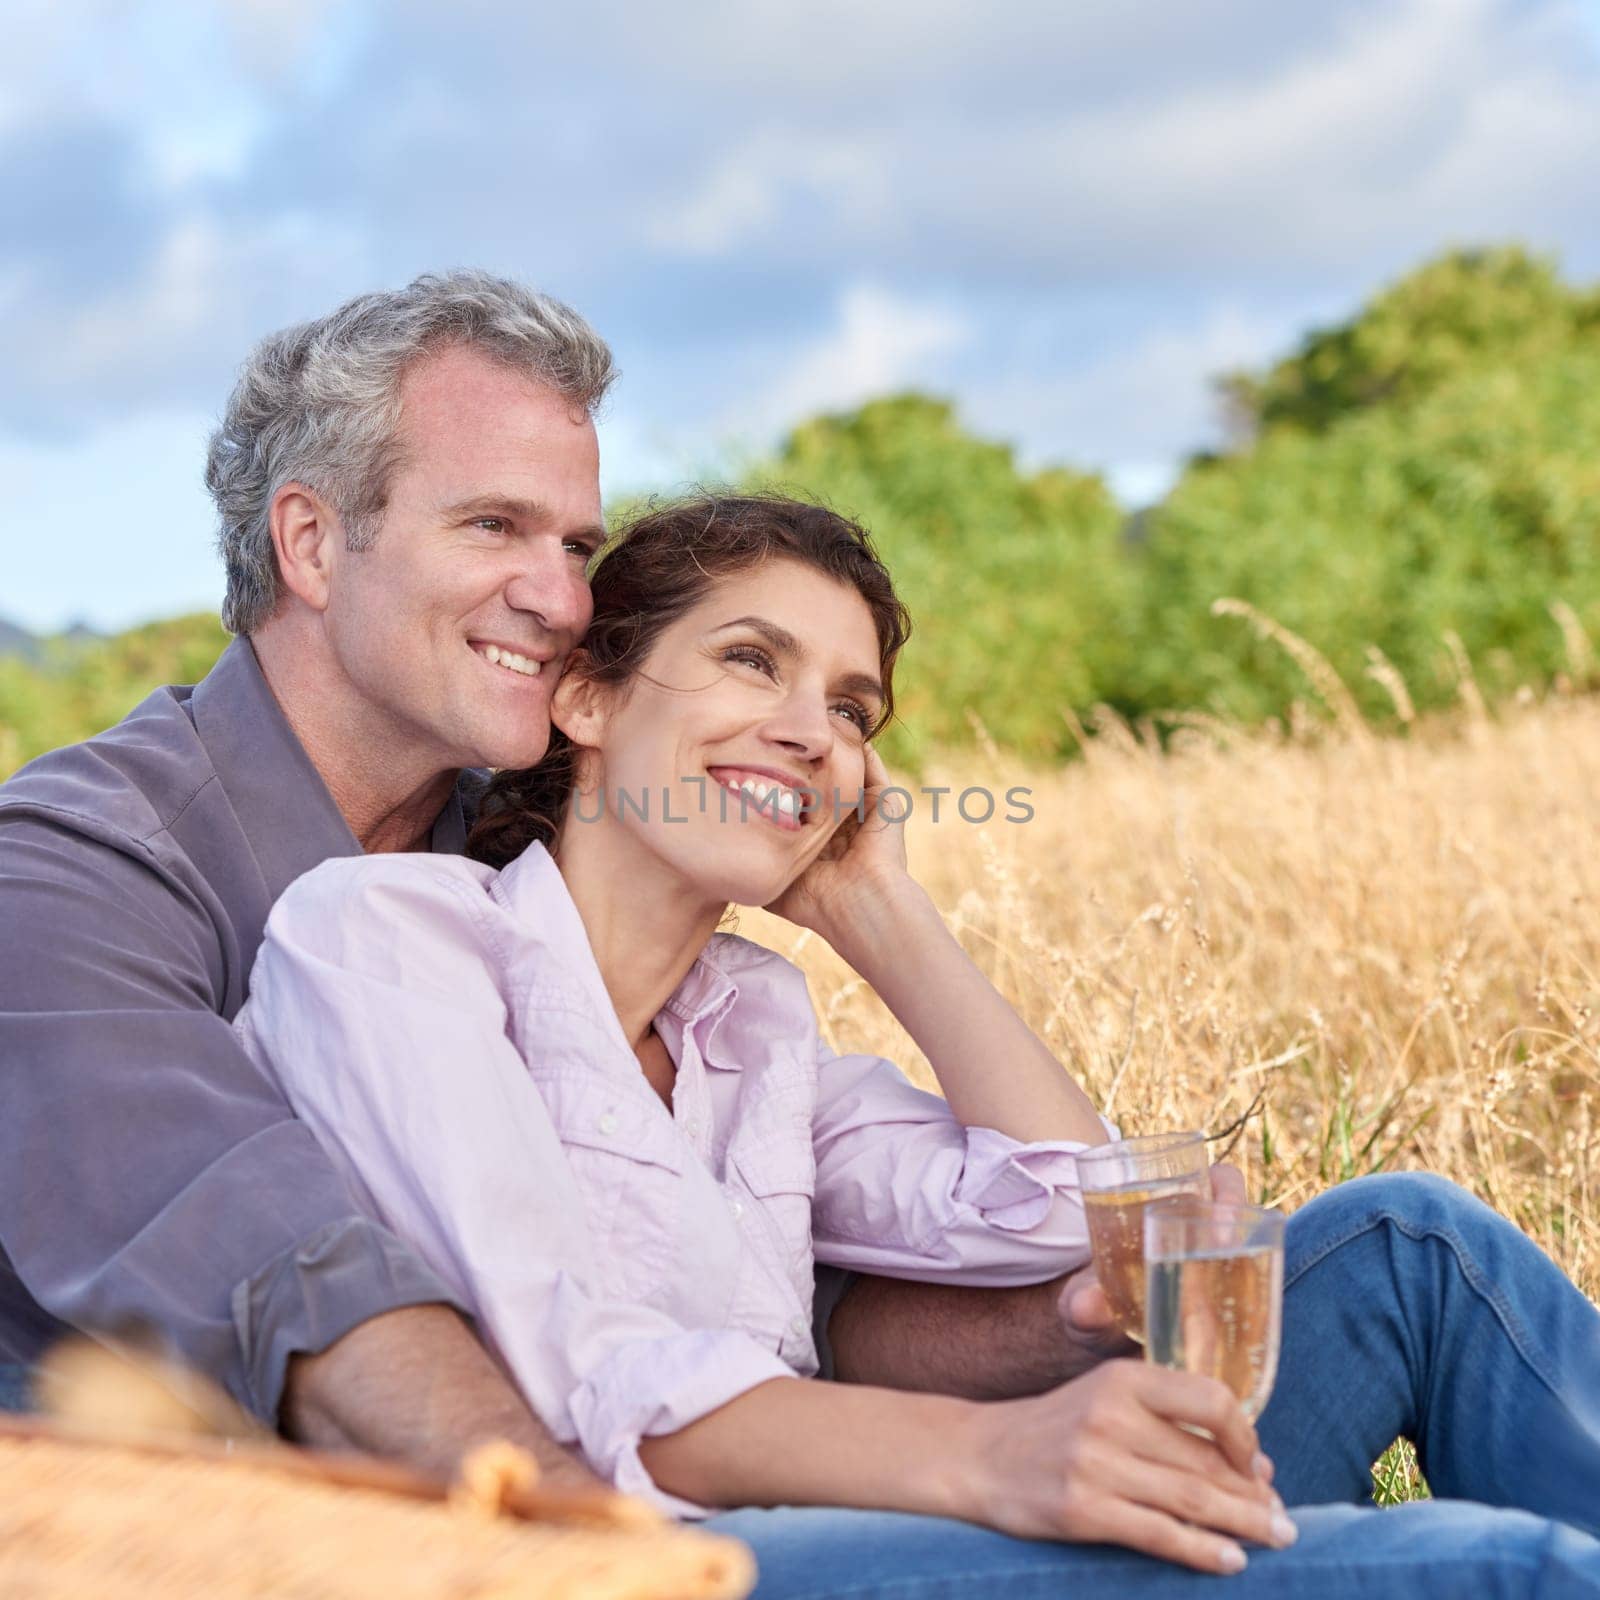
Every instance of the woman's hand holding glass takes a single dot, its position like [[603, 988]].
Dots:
[[1133, 1454]]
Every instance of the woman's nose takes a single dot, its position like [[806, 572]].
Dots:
[[803, 725]]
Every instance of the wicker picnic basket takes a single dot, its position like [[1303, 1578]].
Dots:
[[147, 1515]]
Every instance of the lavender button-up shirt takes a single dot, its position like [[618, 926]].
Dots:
[[445, 1032], [152, 1177]]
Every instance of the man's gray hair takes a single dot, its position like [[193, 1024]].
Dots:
[[319, 404]]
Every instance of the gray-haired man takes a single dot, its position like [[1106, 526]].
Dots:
[[402, 486]]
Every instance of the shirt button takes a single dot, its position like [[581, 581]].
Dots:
[[797, 1327], [608, 1123], [737, 1208]]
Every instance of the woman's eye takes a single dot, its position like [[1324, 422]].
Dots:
[[759, 659], [857, 714]]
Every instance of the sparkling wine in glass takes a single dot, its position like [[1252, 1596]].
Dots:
[[1214, 1293], [1119, 1182]]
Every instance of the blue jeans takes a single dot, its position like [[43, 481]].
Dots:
[[1409, 1308]]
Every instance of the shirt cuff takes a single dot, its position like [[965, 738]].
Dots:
[[657, 1386], [310, 1296], [1012, 1186]]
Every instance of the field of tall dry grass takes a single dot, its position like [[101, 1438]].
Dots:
[[1357, 953]]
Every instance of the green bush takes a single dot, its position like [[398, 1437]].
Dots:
[[1470, 512], [1011, 578], [81, 688]]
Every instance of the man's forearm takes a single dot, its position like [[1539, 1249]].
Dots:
[[416, 1386], [980, 1344]]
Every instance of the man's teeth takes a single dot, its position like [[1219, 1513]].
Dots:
[[507, 658]]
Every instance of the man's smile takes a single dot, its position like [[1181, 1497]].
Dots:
[[503, 656]]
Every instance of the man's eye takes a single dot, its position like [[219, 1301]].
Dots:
[[581, 548], [490, 524]]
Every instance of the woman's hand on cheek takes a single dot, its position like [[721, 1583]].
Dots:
[[857, 874]]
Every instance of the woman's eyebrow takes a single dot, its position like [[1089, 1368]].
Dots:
[[786, 644]]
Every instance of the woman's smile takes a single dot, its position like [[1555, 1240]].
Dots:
[[783, 800]]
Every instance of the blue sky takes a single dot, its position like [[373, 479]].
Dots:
[[1067, 216]]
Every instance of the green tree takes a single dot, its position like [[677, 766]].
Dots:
[[1432, 468], [83, 687], [1464, 312], [1014, 580]]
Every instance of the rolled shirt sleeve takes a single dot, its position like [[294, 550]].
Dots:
[[156, 1182], [903, 1190], [376, 1000]]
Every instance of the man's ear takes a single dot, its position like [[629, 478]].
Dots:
[[579, 705], [306, 532]]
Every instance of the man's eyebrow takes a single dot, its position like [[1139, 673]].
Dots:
[[510, 505], [786, 644]]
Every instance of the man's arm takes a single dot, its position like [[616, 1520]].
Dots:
[[416, 1386], [981, 1344], [153, 1180]]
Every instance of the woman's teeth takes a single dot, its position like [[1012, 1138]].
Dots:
[[766, 796], [506, 658]]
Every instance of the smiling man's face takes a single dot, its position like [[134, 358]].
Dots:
[[454, 623]]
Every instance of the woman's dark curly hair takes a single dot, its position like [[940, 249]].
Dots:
[[662, 564]]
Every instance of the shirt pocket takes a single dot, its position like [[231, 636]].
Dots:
[[628, 1165]]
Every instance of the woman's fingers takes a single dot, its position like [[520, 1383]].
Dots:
[[1154, 1438], [1201, 1403], [1111, 1520], [877, 774], [875, 780], [1202, 1501]]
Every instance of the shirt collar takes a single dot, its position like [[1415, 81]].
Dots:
[[705, 995], [534, 891], [278, 795]]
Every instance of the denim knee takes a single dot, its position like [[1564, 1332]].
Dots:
[[1406, 1197], [1412, 1202]]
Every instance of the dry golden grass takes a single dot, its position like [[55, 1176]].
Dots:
[[1386, 950]]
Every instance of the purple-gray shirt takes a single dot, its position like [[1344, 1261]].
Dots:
[[152, 1178]]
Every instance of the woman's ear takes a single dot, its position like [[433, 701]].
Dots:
[[578, 707]]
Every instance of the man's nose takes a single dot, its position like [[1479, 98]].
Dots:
[[550, 586]]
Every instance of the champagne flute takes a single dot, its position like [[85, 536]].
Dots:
[[1118, 1182], [1214, 1293]]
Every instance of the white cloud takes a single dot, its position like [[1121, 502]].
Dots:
[[756, 185], [139, 342], [879, 342], [1387, 127], [1133, 410]]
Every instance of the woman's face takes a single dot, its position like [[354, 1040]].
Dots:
[[741, 745]]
